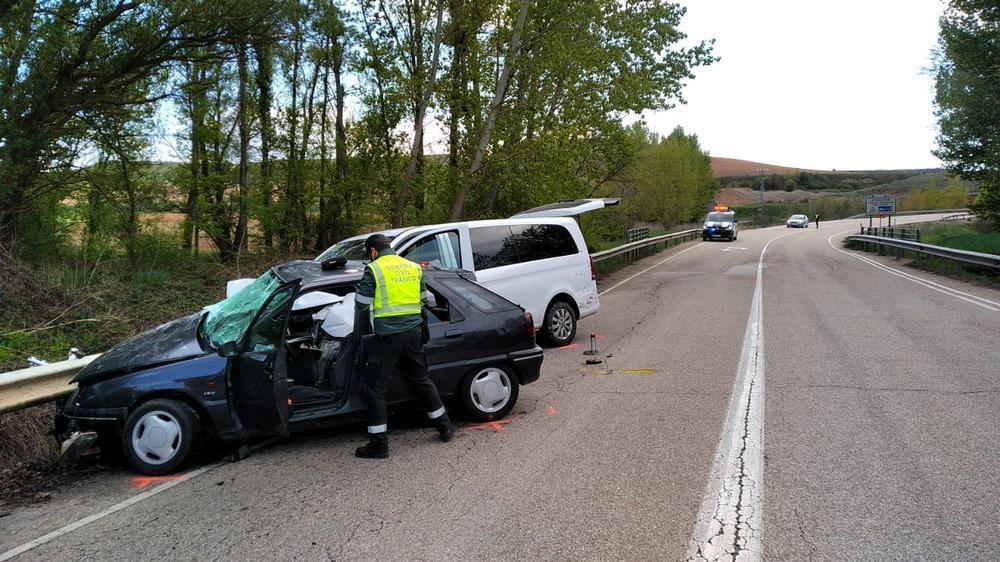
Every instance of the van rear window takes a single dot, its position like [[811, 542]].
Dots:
[[543, 241], [496, 246]]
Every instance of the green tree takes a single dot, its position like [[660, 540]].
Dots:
[[967, 84], [64, 61]]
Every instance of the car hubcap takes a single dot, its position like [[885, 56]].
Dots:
[[561, 325], [490, 390], [156, 438]]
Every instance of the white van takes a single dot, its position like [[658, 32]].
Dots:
[[537, 259]]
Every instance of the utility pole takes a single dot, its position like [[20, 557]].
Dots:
[[760, 212]]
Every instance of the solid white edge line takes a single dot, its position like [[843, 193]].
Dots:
[[102, 514], [620, 283], [729, 524], [967, 297]]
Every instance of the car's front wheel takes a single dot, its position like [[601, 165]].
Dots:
[[159, 436], [560, 323], [489, 393]]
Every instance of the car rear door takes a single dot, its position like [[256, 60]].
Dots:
[[567, 208], [258, 383]]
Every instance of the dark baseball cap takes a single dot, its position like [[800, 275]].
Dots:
[[377, 241]]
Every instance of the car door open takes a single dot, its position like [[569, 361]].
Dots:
[[258, 386]]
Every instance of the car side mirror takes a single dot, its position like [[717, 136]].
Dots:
[[229, 349]]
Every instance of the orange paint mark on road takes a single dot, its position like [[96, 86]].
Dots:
[[499, 425], [569, 346], [143, 482], [551, 411]]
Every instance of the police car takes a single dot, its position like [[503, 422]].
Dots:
[[720, 223]]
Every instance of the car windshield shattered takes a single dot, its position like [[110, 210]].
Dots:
[[229, 319]]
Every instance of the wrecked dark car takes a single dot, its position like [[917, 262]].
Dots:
[[283, 354]]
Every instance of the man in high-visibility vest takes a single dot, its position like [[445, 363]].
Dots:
[[393, 289]]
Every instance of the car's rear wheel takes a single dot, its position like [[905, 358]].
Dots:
[[560, 323], [159, 436], [489, 393]]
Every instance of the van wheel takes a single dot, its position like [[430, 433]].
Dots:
[[560, 323], [489, 393], [159, 436]]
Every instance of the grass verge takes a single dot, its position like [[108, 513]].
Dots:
[[975, 237]]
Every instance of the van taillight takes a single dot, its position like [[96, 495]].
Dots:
[[593, 272], [531, 323]]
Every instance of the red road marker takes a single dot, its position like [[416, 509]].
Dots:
[[551, 411], [142, 482], [499, 425]]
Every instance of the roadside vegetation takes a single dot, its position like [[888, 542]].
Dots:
[[979, 236], [966, 90], [828, 208]]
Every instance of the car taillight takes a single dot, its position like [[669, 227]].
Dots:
[[530, 323], [593, 272]]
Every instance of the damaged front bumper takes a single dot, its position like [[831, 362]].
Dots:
[[79, 444]]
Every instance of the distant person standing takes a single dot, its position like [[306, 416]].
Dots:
[[816, 220]]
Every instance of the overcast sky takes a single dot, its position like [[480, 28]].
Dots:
[[819, 84]]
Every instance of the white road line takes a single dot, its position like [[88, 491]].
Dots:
[[729, 523], [967, 297], [620, 283], [102, 514]]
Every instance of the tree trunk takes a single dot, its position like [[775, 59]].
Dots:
[[321, 228], [240, 238], [265, 77], [418, 121], [498, 97], [291, 196], [340, 143]]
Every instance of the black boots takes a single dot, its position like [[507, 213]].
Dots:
[[445, 430], [377, 447], [378, 443]]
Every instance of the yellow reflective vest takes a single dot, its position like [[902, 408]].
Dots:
[[397, 286]]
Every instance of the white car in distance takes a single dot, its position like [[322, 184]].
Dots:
[[797, 221]]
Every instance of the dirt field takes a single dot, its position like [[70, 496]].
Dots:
[[725, 167], [738, 196]]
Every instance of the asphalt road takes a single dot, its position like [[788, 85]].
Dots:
[[878, 428]]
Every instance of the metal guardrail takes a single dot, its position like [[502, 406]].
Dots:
[[625, 248], [37, 385], [900, 233], [911, 213], [961, 256], [958, 217]]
